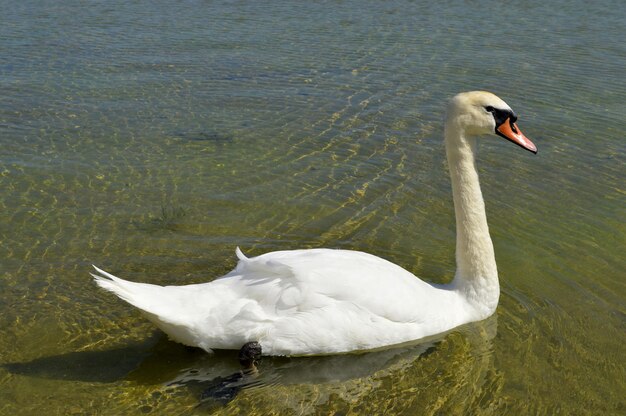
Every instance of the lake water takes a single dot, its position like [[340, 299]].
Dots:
[[152, 138]]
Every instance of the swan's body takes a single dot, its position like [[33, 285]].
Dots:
[[323, 301]]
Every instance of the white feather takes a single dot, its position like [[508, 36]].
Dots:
[[295, 303]]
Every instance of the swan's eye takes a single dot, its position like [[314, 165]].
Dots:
[[490, 109]]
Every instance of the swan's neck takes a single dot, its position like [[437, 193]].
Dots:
[[476, 277]]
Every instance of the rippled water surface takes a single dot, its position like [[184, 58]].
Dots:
[[152, 138]]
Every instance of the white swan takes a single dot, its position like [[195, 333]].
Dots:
[[323, 301]]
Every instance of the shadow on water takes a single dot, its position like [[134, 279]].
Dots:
[[92, 366], [215, 379], [103, 366]]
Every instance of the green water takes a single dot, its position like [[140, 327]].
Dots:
[[152, 138]]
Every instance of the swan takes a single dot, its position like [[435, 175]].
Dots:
[[327, 301]]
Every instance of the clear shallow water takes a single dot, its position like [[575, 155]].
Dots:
[[151, 139]]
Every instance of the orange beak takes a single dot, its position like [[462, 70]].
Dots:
[[509, 131]]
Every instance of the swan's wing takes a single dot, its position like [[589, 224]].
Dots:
[[305, 280], [321, 300]]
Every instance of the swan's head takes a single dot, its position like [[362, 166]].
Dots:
[[479, 112]]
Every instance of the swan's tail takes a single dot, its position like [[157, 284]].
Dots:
[[163, 306], [137, 294]]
